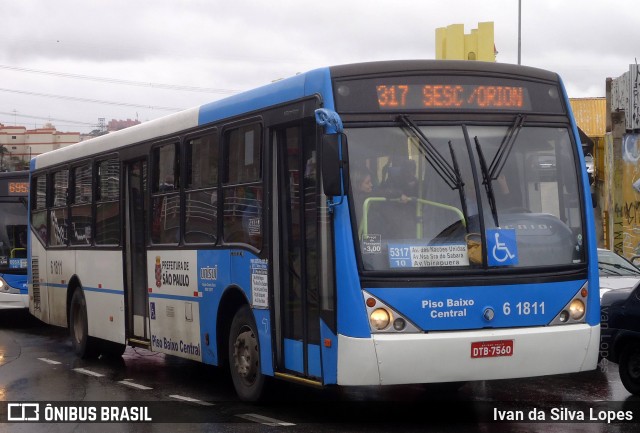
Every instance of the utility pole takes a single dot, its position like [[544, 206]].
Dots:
[[519, 30]]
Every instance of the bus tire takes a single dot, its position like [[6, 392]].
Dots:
[[629, 367], [244, 356], [86, 347]]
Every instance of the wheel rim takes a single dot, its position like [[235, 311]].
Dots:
[[245, 355]]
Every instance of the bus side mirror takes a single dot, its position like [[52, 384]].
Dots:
[[333, 154]]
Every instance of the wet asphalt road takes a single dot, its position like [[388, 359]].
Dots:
[[37, 364]]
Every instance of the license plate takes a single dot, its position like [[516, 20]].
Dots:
[[491, 349]]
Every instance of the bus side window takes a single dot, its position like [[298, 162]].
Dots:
[[165, 205], [81, 214], [39, 207], [242, 186], [58, 215], [201, 206], [108, 202]]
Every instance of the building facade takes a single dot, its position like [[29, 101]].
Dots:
[[19, 144]]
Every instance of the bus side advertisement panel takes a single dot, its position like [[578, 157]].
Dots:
[[174, 303]]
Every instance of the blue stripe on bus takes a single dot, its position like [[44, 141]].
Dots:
[[329, 354], [100, 290], [174, 297], [515, 305], [352, 316], [86, 289], [294, 88], [593, 309]]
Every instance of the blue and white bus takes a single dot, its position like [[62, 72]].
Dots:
[[14, 192], [237, 233]]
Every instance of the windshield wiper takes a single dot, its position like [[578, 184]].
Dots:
[[492, 172], [609, 271], [433, 157], [486, 181], [450, 175], [500, 159], [618, 266], [459, 185]]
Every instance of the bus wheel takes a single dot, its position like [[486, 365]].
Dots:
[[244, 356], [629, 367], [85, 347]]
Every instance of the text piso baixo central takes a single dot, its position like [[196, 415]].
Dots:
[[459, 304]]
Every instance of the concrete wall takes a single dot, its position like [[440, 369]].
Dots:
[[623, 163]]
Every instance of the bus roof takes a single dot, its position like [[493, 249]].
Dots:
[[316, 81], [313, 82], [440, 66], [20, 174]]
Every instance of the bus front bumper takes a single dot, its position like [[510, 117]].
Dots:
[[11, 300], [391, 359]]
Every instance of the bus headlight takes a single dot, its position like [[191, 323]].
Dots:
[[577, 309], [384, 319], [379, 319], [3, 285]]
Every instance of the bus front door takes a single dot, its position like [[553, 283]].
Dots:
[[295, 249], [136, 294]]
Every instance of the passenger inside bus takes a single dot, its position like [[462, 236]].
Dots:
[[363, 185], [391, 211]]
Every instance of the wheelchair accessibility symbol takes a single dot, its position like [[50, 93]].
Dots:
[[502, 248]]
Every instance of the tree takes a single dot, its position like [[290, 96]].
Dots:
[[3, 151]]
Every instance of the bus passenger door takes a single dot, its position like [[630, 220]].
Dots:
[[136, 295], [295, 252]]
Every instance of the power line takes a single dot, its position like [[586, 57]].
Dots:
[[49, 119], [122, 82], [93, 101]]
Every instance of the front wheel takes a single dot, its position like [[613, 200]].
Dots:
[[244, 356], [629, 367], [86, 347]]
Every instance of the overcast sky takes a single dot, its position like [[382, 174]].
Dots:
[[74, 61]]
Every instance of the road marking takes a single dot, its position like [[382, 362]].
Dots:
[[88, 372], [49, 361], [134, 385], [191, 400], [265, 420]]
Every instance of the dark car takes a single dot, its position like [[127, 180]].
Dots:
[[616, 272], [620, 333]]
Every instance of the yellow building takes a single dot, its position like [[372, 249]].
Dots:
[[453, 44], [591, 118]]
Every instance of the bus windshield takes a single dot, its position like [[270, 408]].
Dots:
[[465, 196], [13, 237]]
